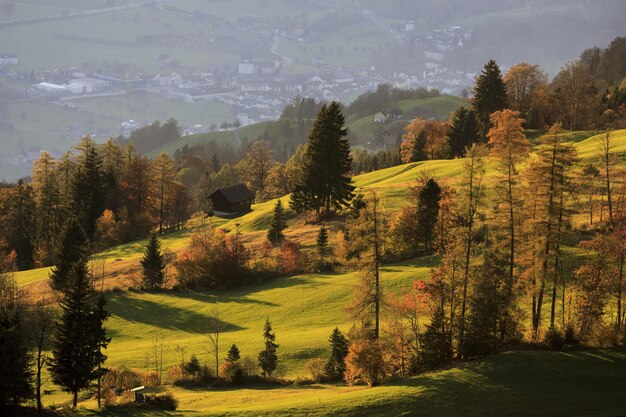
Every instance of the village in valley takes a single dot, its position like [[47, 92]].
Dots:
[[254, 89]]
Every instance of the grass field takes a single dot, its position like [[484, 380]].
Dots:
[[305, 308]]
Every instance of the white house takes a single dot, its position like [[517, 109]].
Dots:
[[246, 68], [380, 118]]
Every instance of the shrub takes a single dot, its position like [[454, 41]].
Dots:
[[365, 363], [232, 372], [315, 367], [122, 378], [165, 401], [290, 258], [249, 366], [554, 339]]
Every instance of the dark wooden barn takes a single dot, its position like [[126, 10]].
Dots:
[[232, 200]]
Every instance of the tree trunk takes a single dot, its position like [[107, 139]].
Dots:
[[75, 400]]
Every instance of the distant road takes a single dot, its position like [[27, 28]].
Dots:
[[274, 51], [82, 13]]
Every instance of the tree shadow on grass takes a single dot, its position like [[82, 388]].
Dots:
[[586, 382], [161, 315]]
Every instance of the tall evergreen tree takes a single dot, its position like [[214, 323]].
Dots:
[[88, 187], [322, 244], [74, 247], [21, 224], [268, 360], [16, 375], [325, 183], [428, 212], [463, 132], [76, 356], [278, 224], [153, 263], [336, 365], [490, 95]]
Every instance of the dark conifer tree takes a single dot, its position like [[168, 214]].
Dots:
[[489, 95], [16, 374], [268, 360], [153, 263], [79, 337], [322, 244], [21, 225], [325, 182], [89, 189], [463, 132], [418, 153], [278, 224], [428, 212], [486, 307], [233, 354], [436, 342], [336, 365], [74, 248]]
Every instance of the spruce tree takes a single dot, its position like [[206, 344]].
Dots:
[[489, 95], [464, 131], [233, 354], [88, 188], [278, 224], [336, 365], [268, 360], [153, 263], [322, 244], [22, 225], [325, 181], [73, 250], [428, 212], [79, 337], [418, 152], [436, 346], [16, 374]]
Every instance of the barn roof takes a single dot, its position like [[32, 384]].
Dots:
[[235, 193]]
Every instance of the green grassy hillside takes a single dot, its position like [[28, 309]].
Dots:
[[305, 308]]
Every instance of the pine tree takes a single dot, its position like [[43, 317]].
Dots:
[[428, 212], [73, 250], [268, 360], [278, 224], [463, 132], [233, 354], [76, 356], [153, 263], [418, 153], [21, 224], [322, 244], [327, 163], [487, 309], [336, 365], [489, 95], [16, 375], [88, 187]]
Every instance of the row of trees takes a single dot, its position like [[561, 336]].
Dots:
[[580, 97], [115, 193]]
